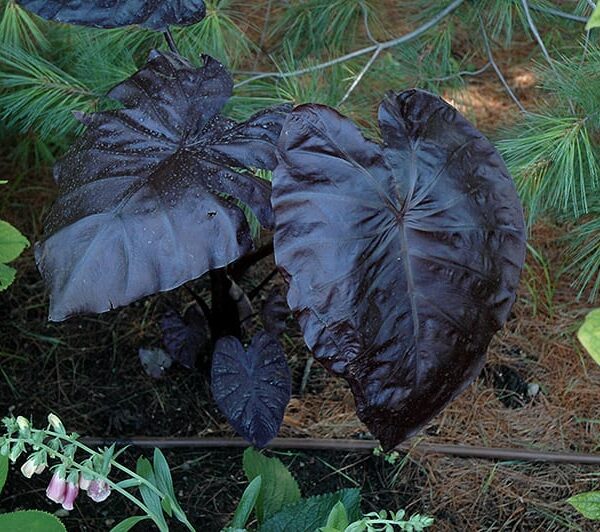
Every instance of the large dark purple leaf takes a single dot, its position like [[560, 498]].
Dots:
[[252, 387], [185, 336], [155, 14], [147, 194], [403, 259]]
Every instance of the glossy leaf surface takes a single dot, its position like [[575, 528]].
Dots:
[[251, 387], [154, 14], [184, 336], [403, 258], [147, 194]]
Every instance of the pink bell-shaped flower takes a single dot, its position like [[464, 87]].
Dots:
[[84, 483], [98, 490], [57, 488], [70, 494], [29, 468]]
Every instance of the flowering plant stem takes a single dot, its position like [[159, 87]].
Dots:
[[57, 444], [84, 469]]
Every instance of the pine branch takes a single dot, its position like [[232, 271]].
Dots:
[[559, 13], [358, 53], [360, 76], [496, 68]]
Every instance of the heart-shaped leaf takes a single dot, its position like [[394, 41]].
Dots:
[[184, 337], [154, 14], [155, 361], [147, 194], [275, 313], [251, 387], [403, 259]]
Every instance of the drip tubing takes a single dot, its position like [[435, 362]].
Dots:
[[361, 446]]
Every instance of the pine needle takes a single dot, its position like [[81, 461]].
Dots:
[[35, 94], [19, 30]]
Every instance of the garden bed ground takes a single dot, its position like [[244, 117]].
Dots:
[[87, 371]]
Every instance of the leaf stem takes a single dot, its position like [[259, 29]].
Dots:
[[91, 452]]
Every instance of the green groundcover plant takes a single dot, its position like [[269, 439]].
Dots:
[[589, 335], [12, 244], [272, 501]]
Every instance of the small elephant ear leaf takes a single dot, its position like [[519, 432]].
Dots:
[[252, 387], [185, 336], [153, 14], [155, 361], [274, 313], [403, 259], [148, 195]]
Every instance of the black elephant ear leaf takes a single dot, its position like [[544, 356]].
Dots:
[[252, 387], [403, 259], [185, 336], [155, 361], [274, 313], [148, 196], [153, 14]]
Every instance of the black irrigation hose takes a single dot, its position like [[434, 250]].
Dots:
[[315, 444]]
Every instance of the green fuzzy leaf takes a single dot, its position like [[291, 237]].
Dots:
[[129, 523], [3, 471], [588, 504], [30, 521], [589, 333], [7, 276], [247, 504], [12, 242], [594, 20], [338, 517], [312, 513], [278, 487]]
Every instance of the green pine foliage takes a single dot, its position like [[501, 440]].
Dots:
[[49, 70], [311, 26], [37, 95], [221, 34], [554, 154], [19, 29]]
